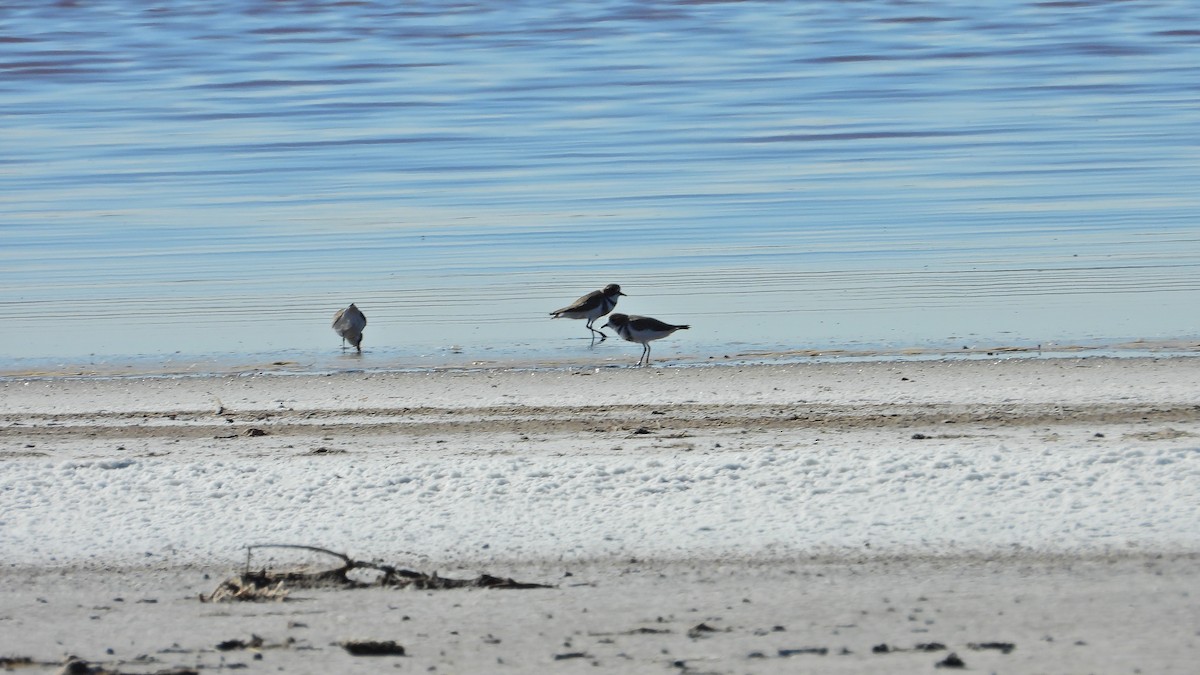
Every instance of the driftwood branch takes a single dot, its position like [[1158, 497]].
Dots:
[[264, 584], [316, 549]]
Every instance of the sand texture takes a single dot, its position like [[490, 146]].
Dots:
[[1025, 514]]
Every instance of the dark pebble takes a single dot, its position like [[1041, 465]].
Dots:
[[951, 661]]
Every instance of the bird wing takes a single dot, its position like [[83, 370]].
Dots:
[[586, 302], [348, 318], [650, 323]]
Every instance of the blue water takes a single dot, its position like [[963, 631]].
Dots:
[[217, 178]]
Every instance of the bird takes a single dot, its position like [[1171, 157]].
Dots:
[[641, 329], [349, 323], [591, 307]]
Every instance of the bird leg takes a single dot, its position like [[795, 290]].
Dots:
[[596, 331]]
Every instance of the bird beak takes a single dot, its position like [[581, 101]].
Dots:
[[620, 293], [606, 324]]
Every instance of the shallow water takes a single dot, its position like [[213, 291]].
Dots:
[[209, 178]]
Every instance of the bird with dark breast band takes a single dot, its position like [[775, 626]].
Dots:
[[641, 329], [591, 307]]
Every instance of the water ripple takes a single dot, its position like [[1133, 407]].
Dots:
[[221, 176]]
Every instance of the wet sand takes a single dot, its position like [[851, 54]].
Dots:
[[1027, 515]]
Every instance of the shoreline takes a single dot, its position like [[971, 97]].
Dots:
[[455, 358]]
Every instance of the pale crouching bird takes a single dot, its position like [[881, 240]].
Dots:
[[591, 307], [641, 329], [349, 323]]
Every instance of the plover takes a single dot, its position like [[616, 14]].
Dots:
[[641, 329], [349, 323], [591, 307]]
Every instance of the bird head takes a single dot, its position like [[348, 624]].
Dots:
[[616, 320]]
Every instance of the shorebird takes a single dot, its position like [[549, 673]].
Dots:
[[349, 323], [591, 307], [641, 329]]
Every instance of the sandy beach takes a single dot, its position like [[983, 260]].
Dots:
[[1023, 514]]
